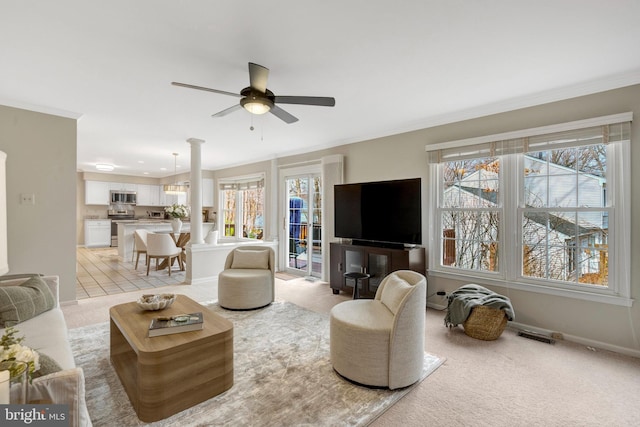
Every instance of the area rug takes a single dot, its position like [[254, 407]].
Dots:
[[282, 376]]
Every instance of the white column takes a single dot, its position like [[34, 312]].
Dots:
[[196, 190]]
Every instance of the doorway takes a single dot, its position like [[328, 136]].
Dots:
[[304, 224]]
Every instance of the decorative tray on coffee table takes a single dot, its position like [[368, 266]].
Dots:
[[156, 302]]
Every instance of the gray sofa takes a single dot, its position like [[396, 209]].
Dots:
[[46, 332]]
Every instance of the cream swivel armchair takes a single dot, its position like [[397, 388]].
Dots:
[[248, 278], [162, 246], [380, 342], [140, 244]]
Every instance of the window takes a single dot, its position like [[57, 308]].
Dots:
[[244, 199], [531, 209], [564, 233], [470, 213]]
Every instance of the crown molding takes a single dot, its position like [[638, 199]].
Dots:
[[40, 109]]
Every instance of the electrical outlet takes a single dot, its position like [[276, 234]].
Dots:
[[27, 199]]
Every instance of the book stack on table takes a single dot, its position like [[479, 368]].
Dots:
[[175, 324]]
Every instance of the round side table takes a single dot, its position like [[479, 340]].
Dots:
[[357, 278]]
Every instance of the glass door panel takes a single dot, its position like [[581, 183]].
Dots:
[[304, 231], [353, 261], [378, 269]]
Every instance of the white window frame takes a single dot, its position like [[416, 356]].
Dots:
[[510, 263], [221, 197]]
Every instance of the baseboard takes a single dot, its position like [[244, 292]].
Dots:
[[438, 307], [201, 280], [591, 344]]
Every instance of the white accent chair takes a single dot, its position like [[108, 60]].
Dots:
[[162, 246], [248, 278], [140, 242], [380, 342]]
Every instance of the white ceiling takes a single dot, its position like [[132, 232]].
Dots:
[[392, 66]]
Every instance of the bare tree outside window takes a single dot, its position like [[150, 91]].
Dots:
[[471, 214], [243, 209], [564, 225], [229, 212]]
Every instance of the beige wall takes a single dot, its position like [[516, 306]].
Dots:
[[404, 156], [41, 160], [35, 244], [588, 322]]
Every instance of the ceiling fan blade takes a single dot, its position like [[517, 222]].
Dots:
[[237, 95], [323, 101], [227, 111], [258, 76], [283, 115]]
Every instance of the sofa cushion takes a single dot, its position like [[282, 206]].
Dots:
[[47, 366], [246, 258], [394, 292], [47, 333], [24, 301]]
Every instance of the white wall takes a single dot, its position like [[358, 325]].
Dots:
[[41, 160]]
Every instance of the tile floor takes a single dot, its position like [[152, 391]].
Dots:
[[100, 272]]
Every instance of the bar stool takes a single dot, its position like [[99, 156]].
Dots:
[[357, 277]]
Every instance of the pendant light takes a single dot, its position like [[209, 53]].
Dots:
[[175, 188]]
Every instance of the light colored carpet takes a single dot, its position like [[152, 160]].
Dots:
[[282, 376], [285, 276]]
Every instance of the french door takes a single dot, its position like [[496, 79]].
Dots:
[[304, 224]]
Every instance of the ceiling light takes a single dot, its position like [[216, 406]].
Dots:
[[256, 105], [104, 167], [175, 188]]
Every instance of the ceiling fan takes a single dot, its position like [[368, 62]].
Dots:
[[257, 99]]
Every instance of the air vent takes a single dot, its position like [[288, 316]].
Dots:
[[536, 336]]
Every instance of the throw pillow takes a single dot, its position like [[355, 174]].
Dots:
[[64, 387], [394, 292], [47, 366], [24, 301], [247, 258]]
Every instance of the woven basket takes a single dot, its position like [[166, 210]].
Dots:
[[485, 323]]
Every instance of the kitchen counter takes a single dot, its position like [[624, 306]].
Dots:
[[126, 228]]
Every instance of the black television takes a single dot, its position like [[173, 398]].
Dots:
[[382, 213]]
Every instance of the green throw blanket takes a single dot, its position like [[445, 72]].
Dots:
[[462, 301]]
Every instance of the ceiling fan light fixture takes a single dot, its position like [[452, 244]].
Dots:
[[256, 105]]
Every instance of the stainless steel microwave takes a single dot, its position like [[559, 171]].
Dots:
[[122, 197]]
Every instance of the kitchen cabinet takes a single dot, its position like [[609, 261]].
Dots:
[[96, 193], [170, 199], [97, 233], [375, 261], [148, 195], [123, 186]]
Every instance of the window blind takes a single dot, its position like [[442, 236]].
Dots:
[[242, 185], [606, 129]]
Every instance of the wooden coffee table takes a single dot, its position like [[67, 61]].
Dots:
[[168, 374]]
